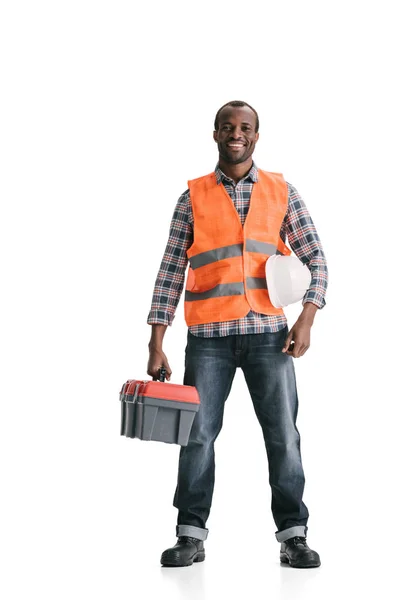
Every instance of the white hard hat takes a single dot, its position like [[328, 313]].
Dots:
[[288, 279]]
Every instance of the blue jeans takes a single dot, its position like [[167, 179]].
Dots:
[[210, 365]]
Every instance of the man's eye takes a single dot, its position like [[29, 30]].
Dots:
[[225, 127]]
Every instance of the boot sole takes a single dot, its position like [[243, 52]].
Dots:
[[286, 560], [174, 562]]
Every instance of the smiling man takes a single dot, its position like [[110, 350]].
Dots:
[[236, 133], [225, 226]]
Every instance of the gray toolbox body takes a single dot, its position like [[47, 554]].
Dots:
[[158, 411]]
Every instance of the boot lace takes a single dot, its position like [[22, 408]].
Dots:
[[188, 538], [298, 540]]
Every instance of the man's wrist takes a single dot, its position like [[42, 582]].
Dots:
[[308, 313], [157, 336], [155, 346]]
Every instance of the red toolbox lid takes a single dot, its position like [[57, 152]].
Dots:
[[169, 391], [163, 391]]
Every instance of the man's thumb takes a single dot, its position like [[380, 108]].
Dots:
[[287, 343], [167, 368]]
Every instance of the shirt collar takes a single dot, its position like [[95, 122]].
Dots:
[[252, 175]]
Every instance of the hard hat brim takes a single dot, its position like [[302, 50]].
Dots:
[[270, 269]]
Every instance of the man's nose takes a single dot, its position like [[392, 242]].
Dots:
[[236, 132]]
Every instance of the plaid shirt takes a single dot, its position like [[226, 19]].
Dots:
[[297, 226]]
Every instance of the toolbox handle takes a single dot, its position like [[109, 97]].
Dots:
[[162, 374], [135, 395]]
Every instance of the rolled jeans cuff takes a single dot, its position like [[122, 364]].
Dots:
[[286, 534], [192, 531]]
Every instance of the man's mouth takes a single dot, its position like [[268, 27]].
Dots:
[[235, 145]]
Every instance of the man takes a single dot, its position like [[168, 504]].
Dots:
[[226, 225]]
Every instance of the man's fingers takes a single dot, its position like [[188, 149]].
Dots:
[[303, 351], [288, 342], [297, 351], [158, 360], [154, 370], [168, 369], [297, 342], [292, 350]]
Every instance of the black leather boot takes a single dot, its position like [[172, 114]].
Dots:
[[186, 551], [296, 552]]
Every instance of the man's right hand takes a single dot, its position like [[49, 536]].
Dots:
[[157, 359]]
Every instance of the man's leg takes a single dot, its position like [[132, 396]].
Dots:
[[270, 377], [210, 366]]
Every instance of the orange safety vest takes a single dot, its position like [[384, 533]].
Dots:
[[226, 276]]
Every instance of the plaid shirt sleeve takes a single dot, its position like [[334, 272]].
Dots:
[[171, 275], [305, 243]]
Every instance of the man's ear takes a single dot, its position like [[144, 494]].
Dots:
[[215, 136], [257, 136]]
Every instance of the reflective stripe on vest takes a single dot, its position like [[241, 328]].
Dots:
[[228, 289], [223, 289], [205, 258]]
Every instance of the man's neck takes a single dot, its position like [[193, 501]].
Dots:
[[235, 172]]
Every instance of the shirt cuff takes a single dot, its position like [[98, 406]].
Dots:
[[159, 317], [314, 298]]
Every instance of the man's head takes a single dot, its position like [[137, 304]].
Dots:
[[236, 131]]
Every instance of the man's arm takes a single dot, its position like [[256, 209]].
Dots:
[[306, 244], [169, 283]]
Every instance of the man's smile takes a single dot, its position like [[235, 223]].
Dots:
[[235, 145]]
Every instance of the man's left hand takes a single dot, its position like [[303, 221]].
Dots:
[[298, 339]]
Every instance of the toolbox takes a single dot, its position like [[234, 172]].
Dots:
[[157, 410]]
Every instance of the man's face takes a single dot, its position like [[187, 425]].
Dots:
[[236, 135]]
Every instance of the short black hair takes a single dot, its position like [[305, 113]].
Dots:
[[235, 103]]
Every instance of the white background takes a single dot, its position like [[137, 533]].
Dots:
[[107, 108]]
